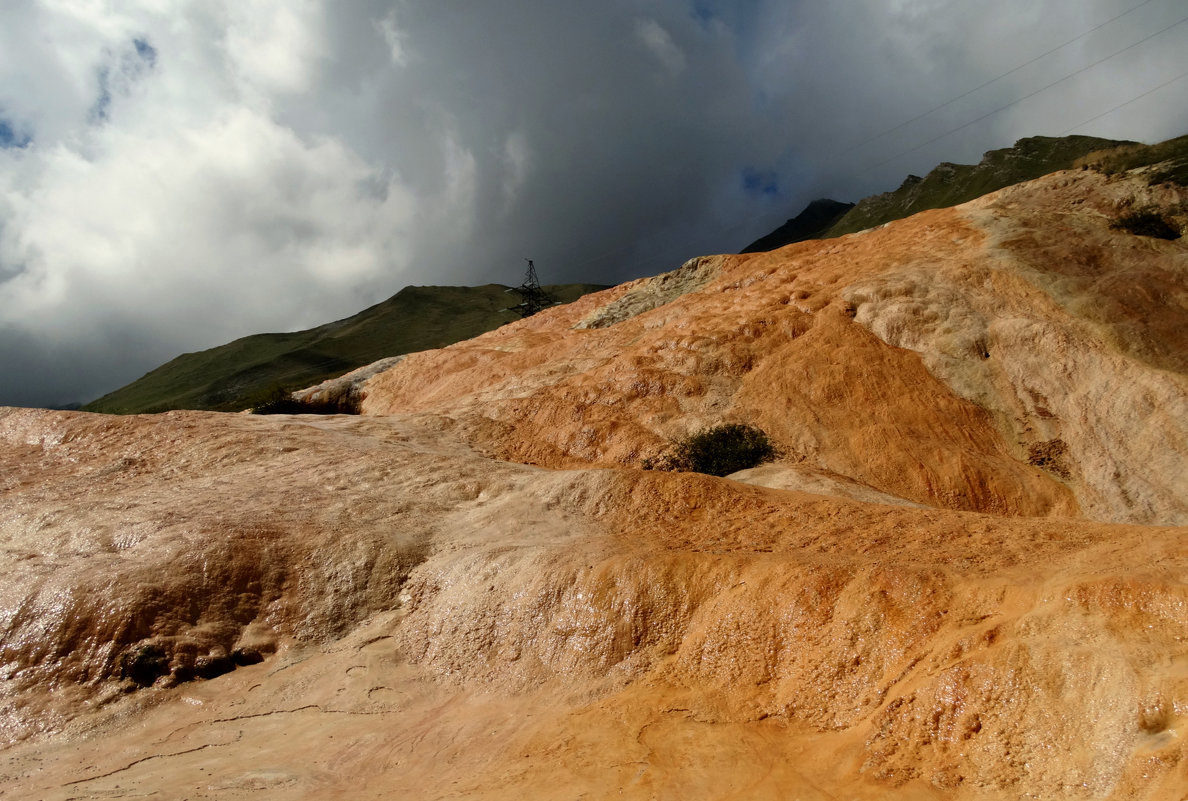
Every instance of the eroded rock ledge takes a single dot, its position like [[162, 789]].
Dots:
[[950, 586]]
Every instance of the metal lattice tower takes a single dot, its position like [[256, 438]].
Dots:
[[533, 298]]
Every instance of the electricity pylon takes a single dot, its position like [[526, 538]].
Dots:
[[533, 298]]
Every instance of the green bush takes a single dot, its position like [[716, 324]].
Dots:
[[1147, 221], [718, 451]]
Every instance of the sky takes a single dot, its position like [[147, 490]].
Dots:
[[175, 174]]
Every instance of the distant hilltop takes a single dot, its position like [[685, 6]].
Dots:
[[238, 375], [947, 185]]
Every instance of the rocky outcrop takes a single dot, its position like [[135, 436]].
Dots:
[[960, 579], [1086, 376], [948, 184], [650, 293], [987, 357]]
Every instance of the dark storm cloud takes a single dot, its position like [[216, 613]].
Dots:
[[175, 175]]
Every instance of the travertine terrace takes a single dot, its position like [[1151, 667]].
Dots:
[[965, 577]]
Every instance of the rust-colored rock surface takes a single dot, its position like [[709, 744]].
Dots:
[[964, 577], [1015, 356]]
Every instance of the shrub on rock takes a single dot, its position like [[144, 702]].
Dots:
[[144, 664], [718, 451], [1147, 222]]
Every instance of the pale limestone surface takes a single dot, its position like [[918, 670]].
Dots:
[[651, 293], [902, 607], [345, 386]]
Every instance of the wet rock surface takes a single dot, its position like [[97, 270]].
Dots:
[[963, 578]]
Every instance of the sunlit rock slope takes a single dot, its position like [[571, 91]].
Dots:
[[1015, 355], [963, 578]]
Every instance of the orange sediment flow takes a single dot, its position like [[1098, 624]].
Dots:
[[963, 578]]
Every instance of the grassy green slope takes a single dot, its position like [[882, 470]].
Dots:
[[1168, 160], [231, 376], [950, 184]]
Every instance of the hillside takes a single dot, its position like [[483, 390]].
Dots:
[[812, 223], [961, 578], [233, 376], [247, 371], [946, 185]]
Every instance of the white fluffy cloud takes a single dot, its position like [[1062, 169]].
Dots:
[[168, 204], [276, 46], [178, 173]]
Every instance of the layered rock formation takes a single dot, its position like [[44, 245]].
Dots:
[[1015, 355], [964, 577]]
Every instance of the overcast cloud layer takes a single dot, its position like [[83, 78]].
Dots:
[[175, 174]]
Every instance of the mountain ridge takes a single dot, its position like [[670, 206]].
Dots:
[[947, 184], [812, 223]]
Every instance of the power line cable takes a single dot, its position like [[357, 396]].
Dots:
[[1029, 95], [994, 80], [1181, 76]]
